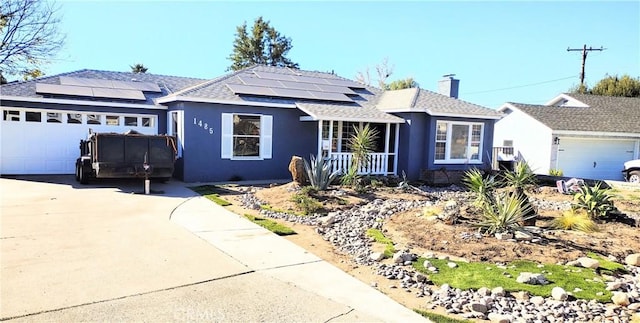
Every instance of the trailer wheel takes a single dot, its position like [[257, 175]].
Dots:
[[78, 172], [634, 176]]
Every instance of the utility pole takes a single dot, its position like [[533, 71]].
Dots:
[[584, 50]]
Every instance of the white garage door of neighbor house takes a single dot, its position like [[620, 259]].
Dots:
[[594, 159], [47, 142]]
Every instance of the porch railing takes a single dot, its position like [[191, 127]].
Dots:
[[501, 154], [377, 164]]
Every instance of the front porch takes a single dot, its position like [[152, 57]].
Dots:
[[333, 143]]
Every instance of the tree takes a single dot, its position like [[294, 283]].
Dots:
[[138, 68], [264, 45], [383, 71], [614, 86], [407, 83], [30, 36]]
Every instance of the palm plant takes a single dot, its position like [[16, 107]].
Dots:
[[596, 201], [505, 214], [361, 144], [483, 187], [319, 172]]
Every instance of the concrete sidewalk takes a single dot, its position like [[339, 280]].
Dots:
[[266, 253], [99, 252]]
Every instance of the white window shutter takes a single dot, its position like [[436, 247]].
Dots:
[[226, 130], [266, 124]]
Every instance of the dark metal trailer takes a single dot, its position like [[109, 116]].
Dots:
[[129, 155]]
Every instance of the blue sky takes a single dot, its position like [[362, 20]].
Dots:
[[489, 45]]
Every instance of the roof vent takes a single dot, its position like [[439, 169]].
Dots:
[[449, 86]]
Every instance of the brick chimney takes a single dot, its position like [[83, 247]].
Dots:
[[449, 86]]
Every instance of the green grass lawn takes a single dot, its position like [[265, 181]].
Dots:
[[437, 318], [271, 225], [479, 274], [379, 237], [211, 192]]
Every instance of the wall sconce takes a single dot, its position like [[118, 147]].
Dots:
[[556, 141]]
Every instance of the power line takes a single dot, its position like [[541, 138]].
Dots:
[[521, 86]]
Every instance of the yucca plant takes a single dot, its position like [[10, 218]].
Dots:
[[521, 177], [361, 144], [507, 213], [596, 201], [350, 177], [574, 219], [483, 187], [319, 172]]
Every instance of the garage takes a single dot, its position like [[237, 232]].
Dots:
[[594, 158], [43, 141]]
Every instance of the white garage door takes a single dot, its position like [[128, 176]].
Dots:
[[47, 142], [594, 159]]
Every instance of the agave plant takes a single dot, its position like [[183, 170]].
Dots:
[[483, 187], [507, 213], [319, 172], [596, 201]]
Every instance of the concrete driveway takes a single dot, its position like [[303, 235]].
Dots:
[[105, 252]]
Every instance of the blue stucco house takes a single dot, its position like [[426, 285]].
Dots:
[[245, 125]]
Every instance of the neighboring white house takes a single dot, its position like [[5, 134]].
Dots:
[[585, 136]]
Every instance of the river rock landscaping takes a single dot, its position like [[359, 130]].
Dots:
[[429, 234]]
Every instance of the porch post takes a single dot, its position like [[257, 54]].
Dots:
[[385, 163], [319, 143], [395, 156]]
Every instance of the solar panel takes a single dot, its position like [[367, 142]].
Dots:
[[300, 86], [118, 93], [87, 82], [336, 89], [247, 89], [136, 85], [310, 79], [63, 89], [274, 76], [260, 82], [328, 96], [346, 83], [109, 84]]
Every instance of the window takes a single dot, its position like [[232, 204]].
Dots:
[[74, 118], [131, 121], [246, 136], [54, 117], [94, 119], [113, 120], [11, 115], [33, 116], [458, 142], [147, 122]]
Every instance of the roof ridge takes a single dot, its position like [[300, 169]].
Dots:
[[458, 99], [212, 81]]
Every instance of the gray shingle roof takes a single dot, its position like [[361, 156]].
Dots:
[[604, 114], [347, 113], [167, 84], [421, 100]]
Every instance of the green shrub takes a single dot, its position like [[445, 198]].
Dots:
[[319, 172], [596, 201], [307, 204], [556, 172], [271, 225], [350, 177], [577, 220], [506, 214], [379, 237]]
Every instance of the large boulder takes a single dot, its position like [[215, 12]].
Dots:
[[633, 259], [587, 262], [559, 294], [296, 168]]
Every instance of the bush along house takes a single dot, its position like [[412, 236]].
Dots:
[[245, 125]]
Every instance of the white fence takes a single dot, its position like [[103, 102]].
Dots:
[[377, 164]]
